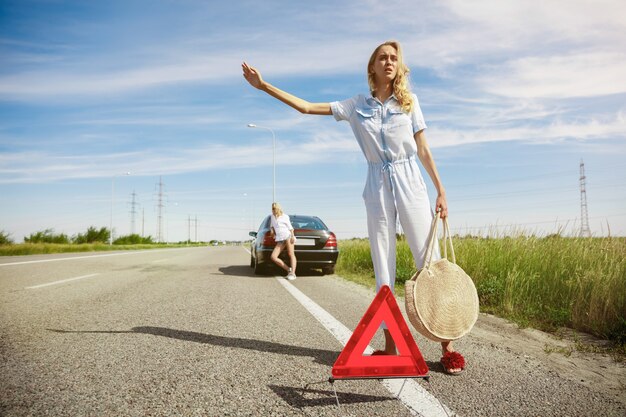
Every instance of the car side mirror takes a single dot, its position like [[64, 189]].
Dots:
[[253, 234]]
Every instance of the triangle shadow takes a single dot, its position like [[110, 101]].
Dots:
[[306, 397]]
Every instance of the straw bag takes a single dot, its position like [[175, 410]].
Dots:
[[441, 299]]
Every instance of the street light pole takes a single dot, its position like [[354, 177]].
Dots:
[[252, 125], [112, 200]]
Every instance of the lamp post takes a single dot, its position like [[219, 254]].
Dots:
[[112, 200], [252, 125]]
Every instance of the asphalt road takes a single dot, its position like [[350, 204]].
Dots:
[[193, 332]]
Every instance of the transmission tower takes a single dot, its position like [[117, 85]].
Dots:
[[133, 212], [195, 222], [160, 207], [584, 216]]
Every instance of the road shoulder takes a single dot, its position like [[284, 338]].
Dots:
[[599, 372]]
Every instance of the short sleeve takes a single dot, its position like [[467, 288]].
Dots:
[[342, 110], [417, 118]]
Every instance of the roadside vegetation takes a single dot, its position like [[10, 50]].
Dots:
[[47, 241], [5, 238], [541, 282]]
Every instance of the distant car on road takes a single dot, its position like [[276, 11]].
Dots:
[[316, 246]]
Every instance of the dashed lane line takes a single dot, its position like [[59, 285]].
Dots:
[[60, 282], [71, 258]]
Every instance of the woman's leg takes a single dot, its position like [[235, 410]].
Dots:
[[292, 256], [416, 218], [414, 210], [447, 347], [277, 250], [381, 228]]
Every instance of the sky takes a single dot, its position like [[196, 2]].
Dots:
[[515, 95]]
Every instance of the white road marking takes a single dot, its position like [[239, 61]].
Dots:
[[60, 282], [160, 260], [419, 401], [88, 256]]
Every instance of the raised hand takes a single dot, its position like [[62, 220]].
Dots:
[[252, 75]]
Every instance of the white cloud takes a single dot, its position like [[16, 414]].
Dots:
[[542, 24], [590, 129], [41, 167], [331, 144], [441, 37], [577, 75]]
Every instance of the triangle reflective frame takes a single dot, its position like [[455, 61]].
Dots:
[[409, 362]]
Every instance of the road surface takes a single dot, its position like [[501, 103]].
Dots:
[[193, 332]]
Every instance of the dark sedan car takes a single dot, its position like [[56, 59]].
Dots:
[[316, 246]]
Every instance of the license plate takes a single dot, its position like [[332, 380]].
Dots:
[[301, 241]]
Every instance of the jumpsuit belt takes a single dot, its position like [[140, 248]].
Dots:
[[388, 167]]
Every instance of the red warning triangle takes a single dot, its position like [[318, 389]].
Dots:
[[351, 363]]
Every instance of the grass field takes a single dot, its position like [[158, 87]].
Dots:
[[544, 283], [39, 248]]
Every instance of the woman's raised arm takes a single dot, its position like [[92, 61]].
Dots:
[[253, 76]]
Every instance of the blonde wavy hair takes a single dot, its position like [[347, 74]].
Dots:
[[279, 210], [400, 83]]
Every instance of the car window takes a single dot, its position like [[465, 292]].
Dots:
[[305, 222]]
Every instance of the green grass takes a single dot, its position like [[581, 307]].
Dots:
[[545, 283], [42, 248]]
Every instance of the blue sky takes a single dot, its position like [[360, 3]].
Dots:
[[515, 94]]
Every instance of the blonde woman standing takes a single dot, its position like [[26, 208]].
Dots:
[[389, 127], [282, 231]]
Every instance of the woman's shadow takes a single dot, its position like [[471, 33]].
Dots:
[[321, 356], [298, 397]]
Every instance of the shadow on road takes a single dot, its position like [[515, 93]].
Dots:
[[295, 397], [239, 271], [246, 271], [324, 357], [321, 356], [436, 367]]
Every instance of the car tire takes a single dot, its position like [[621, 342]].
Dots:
[[258, 268], [328, 270], [251, 261]]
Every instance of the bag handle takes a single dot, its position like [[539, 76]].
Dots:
[[446, 232], [433, 238]]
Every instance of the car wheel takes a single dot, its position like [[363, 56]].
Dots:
[[328, 270], [251, 261], [258, 268]]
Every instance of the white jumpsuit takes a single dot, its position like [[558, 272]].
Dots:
[[394, 187]]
